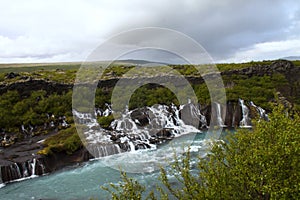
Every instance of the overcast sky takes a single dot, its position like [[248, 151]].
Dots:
[[229, 30]]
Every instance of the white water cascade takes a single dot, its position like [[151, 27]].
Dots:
[[145, 128], [219, 115], [246, 121], [262, 113], [128, 134], [33, 166]]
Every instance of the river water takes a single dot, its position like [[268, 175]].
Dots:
[[83, 181]]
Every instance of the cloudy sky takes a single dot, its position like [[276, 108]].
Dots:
[[229, 30]]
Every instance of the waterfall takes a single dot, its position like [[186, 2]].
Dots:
[[261, 111], [132, 147], [148, 127], [33, 165], [21, 170], [127, 134], [108, 110], [125, 123], [104, 150], [245, 122], [219, 115], [64, 123]]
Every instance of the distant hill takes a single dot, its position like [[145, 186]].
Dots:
[[29, 67], [291, 58], [139, 62]]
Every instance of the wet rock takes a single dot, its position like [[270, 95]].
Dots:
[[206, 110], [140, 116], [25, 87], [164, 133], [142, 146], [115, 138], [17, 170], [124, 146], [237, 114], [229, 120], [190, 115]]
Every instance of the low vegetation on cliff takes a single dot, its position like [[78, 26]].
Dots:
[[66, 140]]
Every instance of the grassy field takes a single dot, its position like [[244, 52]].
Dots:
[[31, 67]]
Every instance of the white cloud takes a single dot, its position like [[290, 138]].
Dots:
[[65, 31], [267, 51]]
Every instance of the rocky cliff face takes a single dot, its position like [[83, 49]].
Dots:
[[287, 68], [39, 165], [25, 87], [22, 161]]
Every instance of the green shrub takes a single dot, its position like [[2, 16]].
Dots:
[[127, 189], [105, 122], [66, 140]]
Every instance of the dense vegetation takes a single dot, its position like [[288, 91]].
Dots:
[[35, 110], [258, 164], [256, 89]]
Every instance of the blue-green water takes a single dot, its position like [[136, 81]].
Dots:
[[84, 180]]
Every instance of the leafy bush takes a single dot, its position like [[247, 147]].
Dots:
[[128, 189]]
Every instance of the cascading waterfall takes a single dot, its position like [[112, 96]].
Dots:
[[21, 171], [125, 123], [146, 127], [219, 115], [127, 134], [107, 111], [33, 165], [132, 147], [262, 113], [245, 122]]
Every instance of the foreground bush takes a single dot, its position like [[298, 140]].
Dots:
[[258, 164]]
